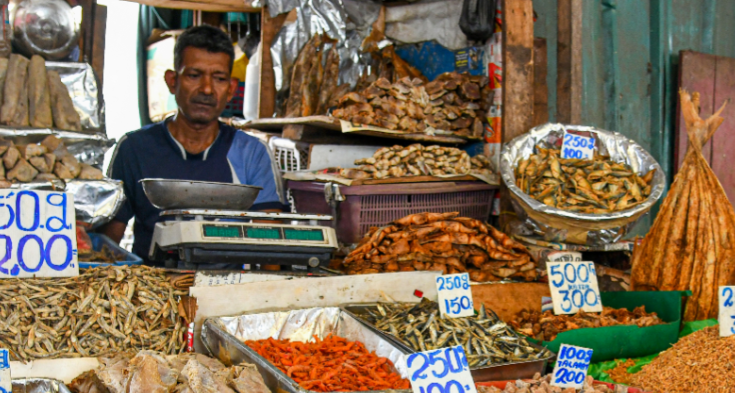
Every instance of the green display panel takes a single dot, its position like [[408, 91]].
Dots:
[[263, 233], [222, 231], [304, 234]]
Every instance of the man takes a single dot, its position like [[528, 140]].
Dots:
[[193, 144]]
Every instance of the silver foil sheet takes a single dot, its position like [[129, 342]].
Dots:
[[224, 338], [603, 229], [87, 148], [81, 81], [39, 385]]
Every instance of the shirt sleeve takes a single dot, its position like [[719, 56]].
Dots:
[[119, 171], [253, 164]]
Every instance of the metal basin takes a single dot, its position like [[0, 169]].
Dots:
[[168, 194]]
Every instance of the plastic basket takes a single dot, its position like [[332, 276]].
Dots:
[[234, 107], [375, 205], [98, 241], [290, 156]]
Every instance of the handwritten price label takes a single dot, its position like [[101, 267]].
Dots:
[[455, 296], [577, 146], [37, 234], [6, 381], [440, 371], [573, 287], [727, 311], [571, 366]]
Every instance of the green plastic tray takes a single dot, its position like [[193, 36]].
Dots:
[[615, 342]]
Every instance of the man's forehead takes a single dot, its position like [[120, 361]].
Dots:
[[203, 60]]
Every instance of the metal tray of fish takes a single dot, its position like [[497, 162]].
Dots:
[[38, 385], [224, 339], [480, 373]]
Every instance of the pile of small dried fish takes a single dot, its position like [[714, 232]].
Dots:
[[619, 373], [150, 371], [690, 244], [541, 384], [102, 311], [545, 326], [596, 186], [453, 102], [481, 165], [442, 242], [104, 255], [699, 362], [45, 161], [486, 339], [413, 160]]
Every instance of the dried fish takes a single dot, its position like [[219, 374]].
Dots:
[[541, 384], [413, 160], [486, 339]]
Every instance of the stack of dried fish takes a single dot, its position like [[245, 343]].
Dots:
[[690, 245], [699, 362], [101, 311], [104, 255], [150, 371], [414, 160], [481, 165], [541, 384], [45, 161], [545, 326], [453, 102], [442, 242], [596, 186], [486, 339]]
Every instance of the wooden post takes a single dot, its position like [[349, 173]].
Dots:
[[268, 30], [569, 62], [517, 81], [98, 46], [540, 87]]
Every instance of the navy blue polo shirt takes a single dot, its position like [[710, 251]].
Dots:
[[152, 152]]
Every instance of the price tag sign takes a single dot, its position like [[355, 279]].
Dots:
[[37, 234], [727, 311], [565, 256], [442, 370], [6, 381], [573, 287], [577, 146], [571, 366], [455, 296]]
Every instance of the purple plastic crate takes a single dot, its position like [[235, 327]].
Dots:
[[376, 205]]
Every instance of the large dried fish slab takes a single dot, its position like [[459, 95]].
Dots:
[[39, 98], [62, 107], [14, 111], [299, 75]]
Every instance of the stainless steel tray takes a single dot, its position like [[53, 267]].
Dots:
[[38, 385], [189, 194], [223, 337], [499, 372]]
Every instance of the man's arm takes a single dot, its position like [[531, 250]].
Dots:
[[114, 229]]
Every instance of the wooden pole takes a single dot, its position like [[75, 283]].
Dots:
[[569, 62], [269, 28], [517, 81]]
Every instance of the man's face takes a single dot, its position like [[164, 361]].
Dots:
[[202, 85]]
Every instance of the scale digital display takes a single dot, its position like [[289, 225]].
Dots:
[[263, 233], [304, 234], [222, 231]]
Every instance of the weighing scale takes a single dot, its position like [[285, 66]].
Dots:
[[203, 236]]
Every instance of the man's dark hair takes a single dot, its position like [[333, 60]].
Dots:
[[206, 37]]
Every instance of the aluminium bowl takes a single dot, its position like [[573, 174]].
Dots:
[[169, 194]]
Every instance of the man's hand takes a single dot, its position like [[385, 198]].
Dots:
[[114, 230]]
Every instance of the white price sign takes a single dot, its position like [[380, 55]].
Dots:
[[6, 381], [727, 311], [455, 295], [37, 234], [573, 287], [564, 256], [577, 146], [442, 370], [571, 366]]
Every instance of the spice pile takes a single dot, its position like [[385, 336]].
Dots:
[[486, 339], [620, 374], [545, 326], [453, 102], [699, 362], [596, 186], [442, 242], [541, 384], [330, 365], [413, 160], [44, 161], [150, 371], [690, 244], [102, 311]]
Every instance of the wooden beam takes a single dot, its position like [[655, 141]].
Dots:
[[517, 81], [540, 87], [569, 62], [209, 5], [269, 28], [98, 46], [87, 31]]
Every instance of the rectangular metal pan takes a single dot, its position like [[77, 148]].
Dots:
[[223, 337], [500, 372]]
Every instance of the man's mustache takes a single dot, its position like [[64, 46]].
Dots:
[[204, 99]]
